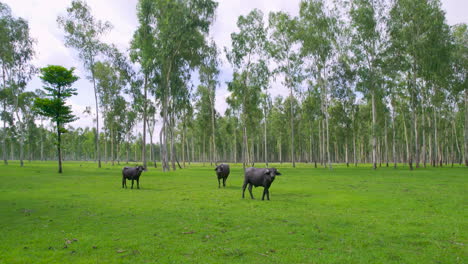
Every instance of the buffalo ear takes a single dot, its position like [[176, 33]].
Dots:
[[267, 171]]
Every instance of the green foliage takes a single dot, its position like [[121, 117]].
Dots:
[[58, 83]]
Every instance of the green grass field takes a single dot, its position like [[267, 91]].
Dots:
[[344, 215]]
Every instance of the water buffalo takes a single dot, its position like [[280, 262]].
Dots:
[[222, 171], [259, 177], [131, 173]]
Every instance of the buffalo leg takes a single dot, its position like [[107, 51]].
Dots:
[[243, 189], [124, 183], [268, 194], [250, 190], [132, 183], [219, 183], [224, 182]]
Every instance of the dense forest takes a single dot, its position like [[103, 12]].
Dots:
[[380, 82]]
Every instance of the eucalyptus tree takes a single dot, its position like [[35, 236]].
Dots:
[[7, 101], [129, 123], [83, 32], [143, 51], [420, 42], [311, 114], [277, 121], [368, 41], [251, 74], [343, 83], [283, 48], [203, 118], [209, 71], [16, 54], [6, 54], [110, 83], [58, 83], [25, 118], [179, 29], [317, 35], [460, 70], [151, 122], [266, 104]]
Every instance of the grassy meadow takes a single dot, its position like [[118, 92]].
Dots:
[[344, 215]]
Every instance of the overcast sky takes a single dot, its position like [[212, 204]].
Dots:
[[50, 48]]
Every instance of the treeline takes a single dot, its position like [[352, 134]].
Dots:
[[381, 82]]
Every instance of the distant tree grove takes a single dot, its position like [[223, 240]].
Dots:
[[380, 82]]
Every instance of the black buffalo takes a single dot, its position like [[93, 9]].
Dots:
[[131, 173], [259, 177], [222, 171]]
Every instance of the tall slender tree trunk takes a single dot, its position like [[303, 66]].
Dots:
[[164, 158], [430, 143], [244, 147], [161, 142], [59, 151], [374, 136], [456, 139], [5, 161], [98, 148], [21, 149], [321, 142], [112, 146], [265, 142], [42, 142], [280, 151], [408, 154], [183, 143], [127, 150], [354, 149], [235, 146], [310, 142], [435, 157], [105, 148], [394, 140], [415, 118], [346, 152], [416, 140], [213, 134], [203, 150], [173, 151], [292, 127], [423, 131], [328, 141], [386, 143], [145, 106], [466, 128]]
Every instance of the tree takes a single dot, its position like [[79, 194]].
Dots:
[[317, 34], [16, 53], [179, 29], [251, 73], [420, 43], [281, 45], [143, 51], [460, 68], [367, 43], [58, 81], [82, 33], [208, 77]]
